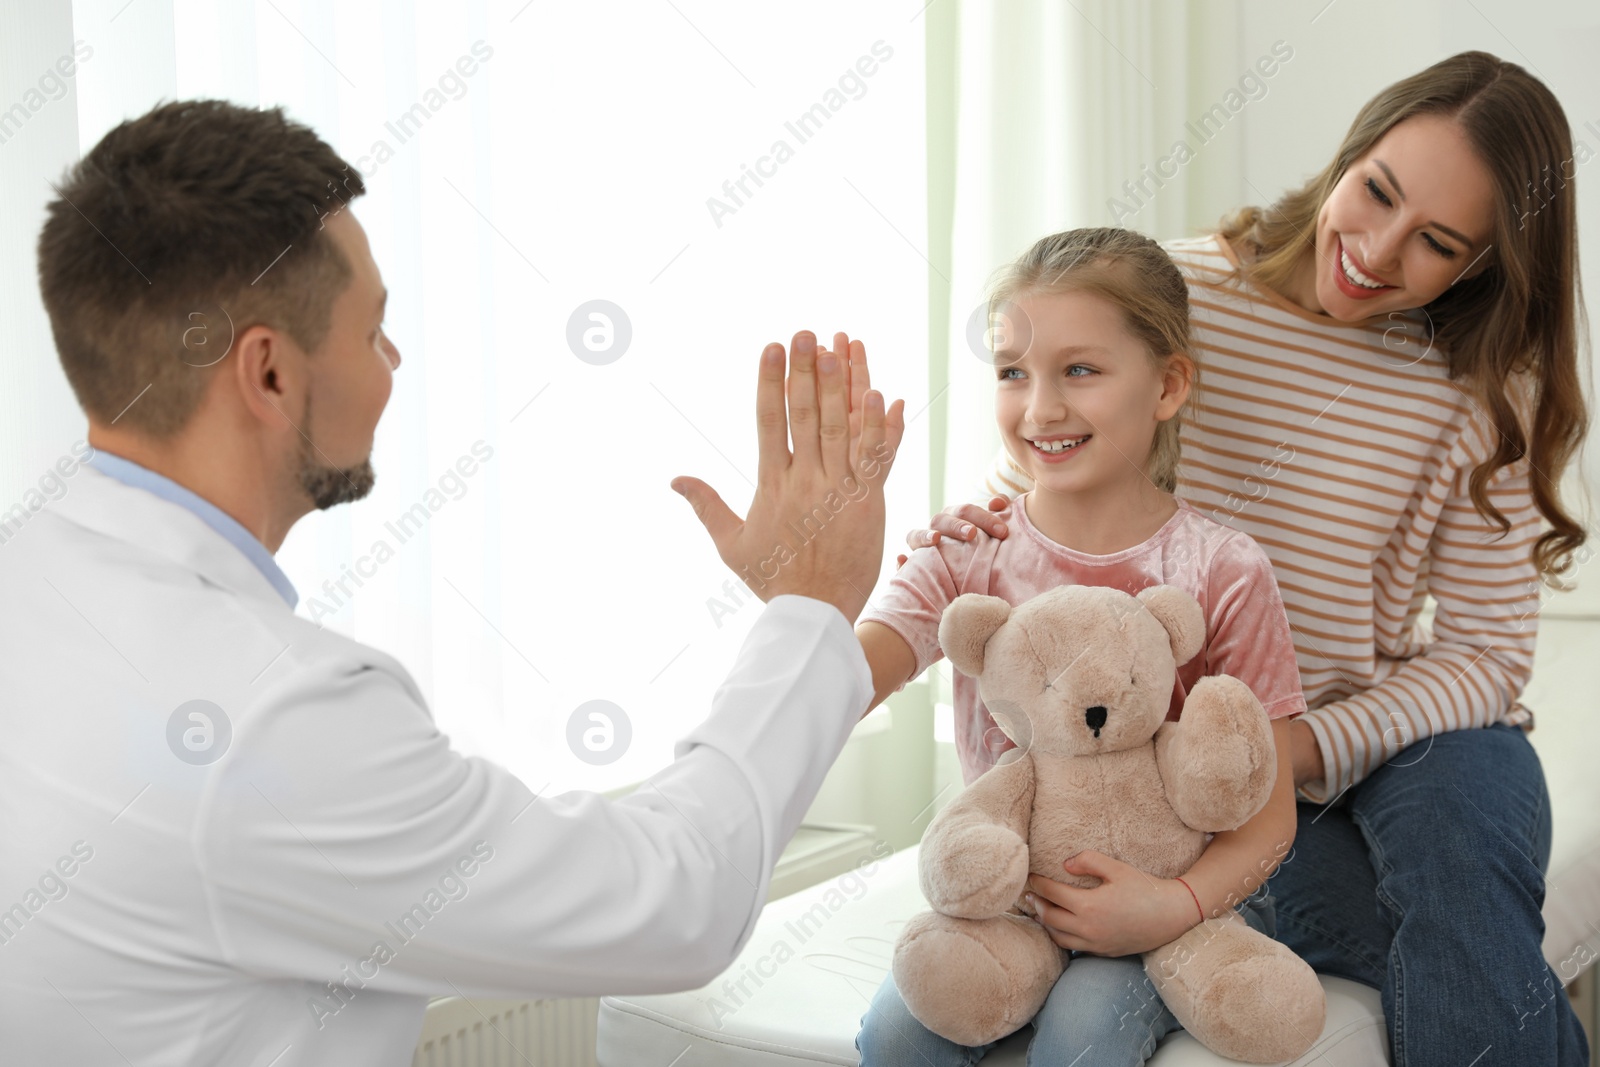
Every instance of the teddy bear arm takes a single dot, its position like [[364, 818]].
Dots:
[[974, 857], [1218, 763]]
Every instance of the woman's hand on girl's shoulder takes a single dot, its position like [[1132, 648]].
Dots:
[[961, 521]]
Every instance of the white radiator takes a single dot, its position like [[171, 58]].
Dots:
[[508, 1033]]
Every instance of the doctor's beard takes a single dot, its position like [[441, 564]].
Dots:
[[328, 485]]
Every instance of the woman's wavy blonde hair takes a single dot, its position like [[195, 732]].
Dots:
[[1519, 317], [1135, 274]]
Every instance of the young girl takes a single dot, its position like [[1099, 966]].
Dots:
[[1092, 372]]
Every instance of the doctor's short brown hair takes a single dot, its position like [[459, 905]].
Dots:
[[179, 230]]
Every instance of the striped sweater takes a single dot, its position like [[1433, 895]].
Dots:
[[1345, 451]]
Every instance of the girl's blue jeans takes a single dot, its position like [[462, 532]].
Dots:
[[1103, 1012]]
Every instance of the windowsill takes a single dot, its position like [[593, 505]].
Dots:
[[819, 851], [877, 721]]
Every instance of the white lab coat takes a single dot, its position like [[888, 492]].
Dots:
[[339, 839]]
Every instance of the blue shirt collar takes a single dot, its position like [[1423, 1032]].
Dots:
[[131, 473]]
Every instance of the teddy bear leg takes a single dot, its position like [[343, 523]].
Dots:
[[1240, 993], [974, 981]]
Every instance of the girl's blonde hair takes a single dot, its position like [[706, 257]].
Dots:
[[1135, 274], [1518, 318]]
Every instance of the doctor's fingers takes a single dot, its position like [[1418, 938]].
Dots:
[[852, 356], [873, 453], [833, 411], [860, 377], [772, 420], [803, 403], [853, 359]]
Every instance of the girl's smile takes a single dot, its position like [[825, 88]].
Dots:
[[1059, 449]]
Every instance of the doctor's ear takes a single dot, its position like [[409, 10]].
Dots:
[[268, 374]]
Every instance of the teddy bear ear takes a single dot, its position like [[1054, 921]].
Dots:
[[1180, 614], [968, 623]]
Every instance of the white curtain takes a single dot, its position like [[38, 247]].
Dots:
[[1060, 105], [722, 180]]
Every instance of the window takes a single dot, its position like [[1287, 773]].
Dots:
[[717, 180]]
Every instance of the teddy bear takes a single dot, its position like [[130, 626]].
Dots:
[[1080, 678]]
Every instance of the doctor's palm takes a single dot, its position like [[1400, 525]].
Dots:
[[815, 526]]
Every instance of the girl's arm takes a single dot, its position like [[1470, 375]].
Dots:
[[891, 659], [1237, 862], [899, 630]]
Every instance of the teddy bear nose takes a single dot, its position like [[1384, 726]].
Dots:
[[1095, 717]]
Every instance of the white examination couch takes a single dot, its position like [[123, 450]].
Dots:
[[797, 992]]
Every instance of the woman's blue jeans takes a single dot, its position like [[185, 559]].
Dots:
[[1102, 1012], [1426, 881]]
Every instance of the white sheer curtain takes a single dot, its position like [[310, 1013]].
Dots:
[[1059, 106], [522, 553]]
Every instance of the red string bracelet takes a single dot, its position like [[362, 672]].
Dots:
[[1197, 906]]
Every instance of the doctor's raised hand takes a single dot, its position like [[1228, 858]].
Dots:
[[815, 526]]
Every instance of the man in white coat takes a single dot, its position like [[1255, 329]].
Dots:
[[296, 899]]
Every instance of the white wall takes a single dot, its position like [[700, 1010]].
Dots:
[[39, 419]]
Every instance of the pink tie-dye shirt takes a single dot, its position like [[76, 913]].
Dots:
[[1247, 633]]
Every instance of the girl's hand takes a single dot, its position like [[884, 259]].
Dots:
[[958, 521], [1127, 913], [1307, 754]]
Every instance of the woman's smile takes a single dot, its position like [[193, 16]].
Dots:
[[1353, 279]]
